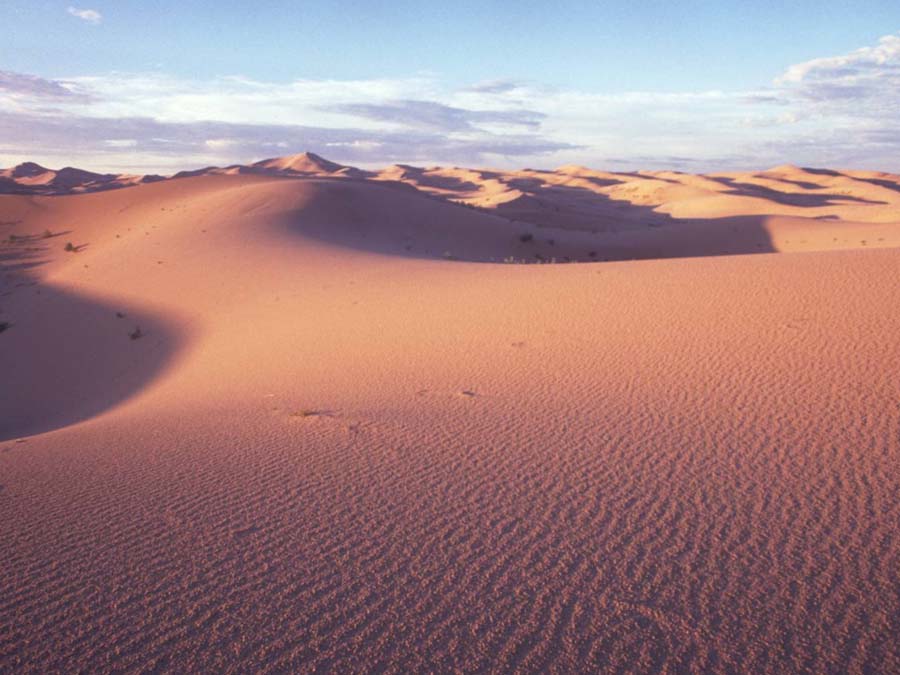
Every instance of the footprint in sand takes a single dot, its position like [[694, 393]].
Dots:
[[245, 532], [312, 413]]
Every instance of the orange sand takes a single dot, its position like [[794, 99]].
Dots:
[[346, 440]]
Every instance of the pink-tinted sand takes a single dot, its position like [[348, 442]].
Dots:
[[346, 440]]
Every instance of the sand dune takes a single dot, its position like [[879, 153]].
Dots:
[[348, 437], [580, 198], [31, 178]]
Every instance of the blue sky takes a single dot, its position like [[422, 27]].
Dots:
[[691, 85]]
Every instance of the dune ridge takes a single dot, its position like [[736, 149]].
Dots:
[[32, 178], [350, 435]]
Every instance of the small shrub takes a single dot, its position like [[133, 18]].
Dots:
[[4, 325], [47, 234], [525, 238], [70, 247], [136, 333]]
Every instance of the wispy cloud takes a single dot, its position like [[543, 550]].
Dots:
[[89, 15], [32, 86], [232, 119], [839, 110], [176, 145], [495, 86], [432, 115]]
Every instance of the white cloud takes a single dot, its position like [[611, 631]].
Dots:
[[870, 75], [839, 110], [219, 144], [359, 145], [89, 15], [867, 61]]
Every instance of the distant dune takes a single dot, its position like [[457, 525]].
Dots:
[[31, 178], [300, 417], [648, 214]]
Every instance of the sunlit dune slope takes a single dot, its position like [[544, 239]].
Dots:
[[581, 198], [348, 437]]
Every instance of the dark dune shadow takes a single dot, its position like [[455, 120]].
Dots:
[[65, 188], [738, 235], [799, 183], [599, 182], [397, 219], [580, 208], [525, 184], [787, 198], [17, 261], [642, 176], [379, 217], [65, 357], [880, 182], [32, 239], [446, 182], [821, 172], [605, 182], [602, 182]]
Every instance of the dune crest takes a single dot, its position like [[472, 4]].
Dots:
[[573, 197], [305, 162], [31, 178]]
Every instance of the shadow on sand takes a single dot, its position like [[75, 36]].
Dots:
[[789, 198], [65, 357], [397, 220]]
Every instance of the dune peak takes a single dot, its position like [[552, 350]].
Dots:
[[27, 170], [304, 162]]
